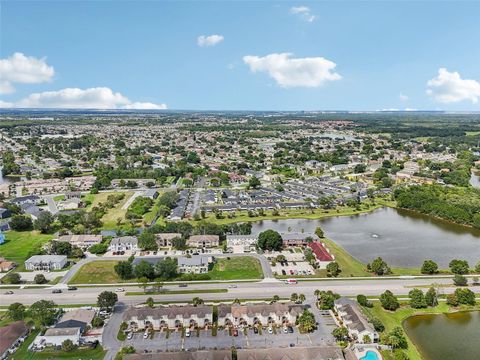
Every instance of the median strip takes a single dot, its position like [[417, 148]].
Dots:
[[176, 292]]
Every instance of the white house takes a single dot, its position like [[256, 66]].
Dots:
[[56, 336], [46, 262], [82, 241], [193, 265], [124, 243], [354, 320], [242, 243]]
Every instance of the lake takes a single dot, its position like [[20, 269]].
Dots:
[[446, 336], [402, 238]]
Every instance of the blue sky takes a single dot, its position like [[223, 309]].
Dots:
[[329, 55]]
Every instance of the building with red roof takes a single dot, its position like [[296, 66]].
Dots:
[[322, 254]]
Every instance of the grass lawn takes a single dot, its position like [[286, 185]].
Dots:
[[391, 319], [110, 218], [80, 354], [17, 244], [242, 216], [96, 272], [149, 216], [236, 268]]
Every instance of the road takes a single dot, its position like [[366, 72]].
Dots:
[[52, 205], [244, 290]]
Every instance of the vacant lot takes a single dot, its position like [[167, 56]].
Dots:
[[236, 268], [110, 218], [96, 272], [18, 244]]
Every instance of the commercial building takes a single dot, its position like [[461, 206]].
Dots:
[[322, 254], [298, 239]]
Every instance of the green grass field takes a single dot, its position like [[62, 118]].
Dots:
[[236, 268], [149, 216], [96, 272], [17, 244], [392, 319], [110, 218]]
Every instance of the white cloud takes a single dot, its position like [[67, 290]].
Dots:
[[294, 72], [449, 87], [303, 12], [22, 69], [4, 104], [74, 98], [210, 40], [403, 97]]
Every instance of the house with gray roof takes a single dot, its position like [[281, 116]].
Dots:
[[196, 264], [46, 262], [123, 243], [354, 320]]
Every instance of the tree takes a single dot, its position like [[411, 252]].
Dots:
[[378, 325], [124, 270], [396, 338], [465, 296], [319, 232], [97, 322], [431, 297], [43, 312], [40, 279], [333, 269], [68, 345], [60, 248], [460, 280], [340, 333], [270, 240], [166, 269], [146, 241], [367, 339], [389, 301], [44, 222], [144, 269], [301, 298], [150, 303], [459, 266], [107, 300], [12, 278], [179, 243], [98, 248], [197, 301], [379, 267], [477, 267], [275, 298], [326, 299], [16, 311], [417, 299], [254, 183], [21, 223], [429, 267], [306, 321], [362, 300], [294, 297], [452, 299], [400, 355]]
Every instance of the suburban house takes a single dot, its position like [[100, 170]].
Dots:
[[4, 213], [200, 241], [252, 314], [82, 241], [322, 254], [151, 194], [29, 199], [168, 316], [56, 336], [69, 204], [11, 335], [124, 243], [46, 262], [196, 264], [242, 243], [165, 239], [352, 317], [78, 318], [298, 239], [6, 265]]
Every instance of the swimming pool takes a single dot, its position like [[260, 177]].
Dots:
[[370, 355]]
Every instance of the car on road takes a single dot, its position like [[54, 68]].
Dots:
[[270, 330], [182, 285], [187, 332], [9, 292], [119, 290], [232, 286], [235, 332], [56, 291], [291, 282], [292, 345], [130, 335], [71, 288]]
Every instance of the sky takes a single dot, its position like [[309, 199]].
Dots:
[[250, 55]]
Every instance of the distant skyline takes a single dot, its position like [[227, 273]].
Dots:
[[265, 55]]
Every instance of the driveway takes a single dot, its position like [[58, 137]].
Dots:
[[109, 336]]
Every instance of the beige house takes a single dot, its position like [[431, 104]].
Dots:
[[82, 241], [168, 317], [200, 241], [165, 239], [354, 320], [262, 314]]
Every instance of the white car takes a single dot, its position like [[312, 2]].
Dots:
[[119, 290], [270, 330], [130, 335], [285, 330], [187, 332], [232, 286], [145, 334]]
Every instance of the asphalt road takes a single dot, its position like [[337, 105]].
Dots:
[[250, 290]]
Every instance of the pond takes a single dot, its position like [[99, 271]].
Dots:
[[446, 336], [402, 238]]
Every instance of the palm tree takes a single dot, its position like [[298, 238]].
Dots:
[[316, 293], [275, 298], [301, 298], [294, 297], [197, 301]]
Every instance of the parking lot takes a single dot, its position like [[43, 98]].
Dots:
[[203, 339]]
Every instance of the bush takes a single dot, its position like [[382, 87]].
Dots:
[[68, 345], [98, 249], [97, 321], [465, 296], [389, 301], [12, 278], [429, 267], [417, 299], [459, 266], [21, 223], [40, 279], [362, 300], [378, 325], [452, 299], [460, 280]]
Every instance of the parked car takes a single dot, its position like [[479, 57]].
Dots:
[[290, 330], [130, 335], [270, 330], [255, 330], [235, 332], [284, 272], [285, 330], [56, 291], [187, 332], [145, 334]]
